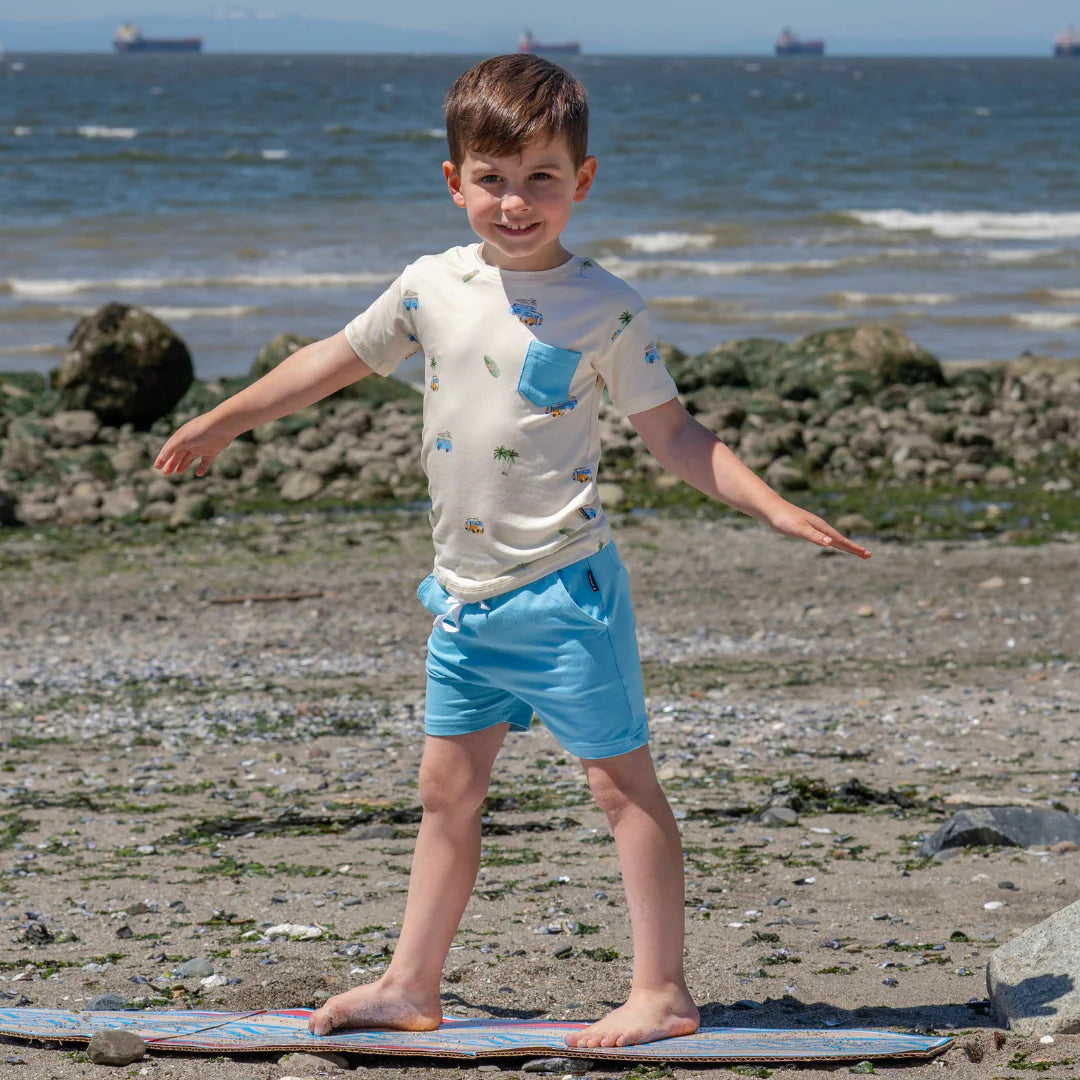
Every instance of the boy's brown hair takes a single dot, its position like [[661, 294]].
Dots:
[[504, 103]]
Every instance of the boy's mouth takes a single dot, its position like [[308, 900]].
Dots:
[[518, 230]]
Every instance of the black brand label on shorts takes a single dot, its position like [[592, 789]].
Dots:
[[592, 582]]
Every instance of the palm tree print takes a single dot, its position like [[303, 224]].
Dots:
[[493, 368], [505, 454], [625, 319], [585, 264], [433, 363], [469, 276]]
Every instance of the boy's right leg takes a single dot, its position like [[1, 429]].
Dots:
[[454, 775]]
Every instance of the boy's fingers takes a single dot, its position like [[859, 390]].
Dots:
[[831, 538]]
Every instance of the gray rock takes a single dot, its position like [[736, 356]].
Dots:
[[779, 815], [107, 1003], [197, 968], [576, 1066], [125, 365], [784, 475], [1032, 980], [306, 1064], [77, 427], [298, 485], [372, 832], [1003, 826], [115, 1046]]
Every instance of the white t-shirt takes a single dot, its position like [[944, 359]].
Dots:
[[516, 362]]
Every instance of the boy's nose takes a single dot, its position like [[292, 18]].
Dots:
[[513, 200]]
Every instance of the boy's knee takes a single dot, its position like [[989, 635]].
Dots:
[[443, 790], [613, 793]]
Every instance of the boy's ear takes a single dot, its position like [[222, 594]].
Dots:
[[453, 182], [585, 177]]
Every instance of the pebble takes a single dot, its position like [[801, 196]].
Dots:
[[107, 1003], [115, 1046], [574, 1066], [315, 1063], [196, 968]]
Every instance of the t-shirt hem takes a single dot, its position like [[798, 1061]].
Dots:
[[368, 355], [647, 401], [575, 550]]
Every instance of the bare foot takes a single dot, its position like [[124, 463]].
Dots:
[[376, 1005], [648, 1015]]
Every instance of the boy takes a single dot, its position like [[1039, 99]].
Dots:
[[530, 601]]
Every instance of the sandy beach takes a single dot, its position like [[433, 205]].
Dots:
[[181, 773]]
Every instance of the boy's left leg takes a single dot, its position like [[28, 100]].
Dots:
[[650, 856]]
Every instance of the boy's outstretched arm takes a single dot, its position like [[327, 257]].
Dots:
[[694, 454], [307, 376]]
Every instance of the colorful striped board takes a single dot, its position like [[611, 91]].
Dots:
[[265, 1031]]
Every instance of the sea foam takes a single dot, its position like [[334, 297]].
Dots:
[[98, 131], [976, 224], [661, 242], [51, 287], [1046, 320]]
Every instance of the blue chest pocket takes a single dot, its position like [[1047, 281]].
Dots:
[[546, 374]]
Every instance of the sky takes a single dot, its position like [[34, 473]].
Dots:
[[644, 25]]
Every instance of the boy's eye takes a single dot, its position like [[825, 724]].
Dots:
[[540, 176], [489, 178]]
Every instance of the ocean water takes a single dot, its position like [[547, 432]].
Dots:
[[238, 196]]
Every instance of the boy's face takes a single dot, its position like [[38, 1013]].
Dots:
[[520, 204]]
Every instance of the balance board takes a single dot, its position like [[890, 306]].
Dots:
[[266, 1032]]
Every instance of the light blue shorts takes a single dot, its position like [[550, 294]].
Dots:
[[563, 647]]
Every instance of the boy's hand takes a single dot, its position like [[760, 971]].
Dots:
[[791, 520], [200, 439]]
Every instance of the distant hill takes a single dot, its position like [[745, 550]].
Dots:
[[287, 33]]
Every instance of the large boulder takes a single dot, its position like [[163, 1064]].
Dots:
[[742, 363], [861, 360], [125, 365], [1003, 826], [1032, 979]]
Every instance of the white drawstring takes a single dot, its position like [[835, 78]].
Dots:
[[450, 620]]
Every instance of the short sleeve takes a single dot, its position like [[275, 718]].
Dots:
[[631, 368], [385, 334]]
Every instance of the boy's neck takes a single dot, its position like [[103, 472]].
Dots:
[[548, 259]]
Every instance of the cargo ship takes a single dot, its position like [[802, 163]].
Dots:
[[790, 44], [128, 39], [529, 44], [1067, 43]]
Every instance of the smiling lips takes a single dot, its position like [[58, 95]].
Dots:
[[520, 228]]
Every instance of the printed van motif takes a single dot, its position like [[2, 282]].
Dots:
[[527, 312], [583, 474], [444, 441], [409, 300], [434, 384], [474, 525], [652, 353], [562, 407]]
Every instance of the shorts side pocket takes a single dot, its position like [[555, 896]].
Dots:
[[422, 589], [546, 374]]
